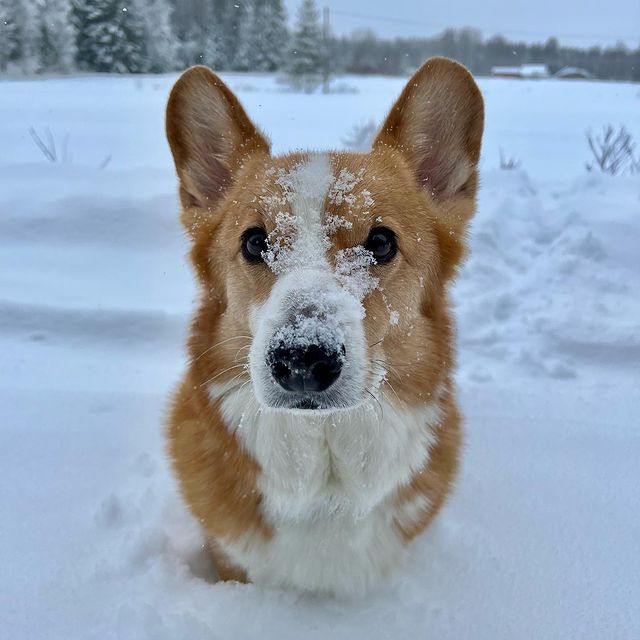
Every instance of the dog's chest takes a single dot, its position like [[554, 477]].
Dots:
[[336, 554], [328, 487]]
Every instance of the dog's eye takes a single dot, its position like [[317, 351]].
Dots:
[[254, 242], [382, 244]]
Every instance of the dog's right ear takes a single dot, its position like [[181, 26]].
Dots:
[[210, 135]]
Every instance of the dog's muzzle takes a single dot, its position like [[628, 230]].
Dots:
[[308, 351]]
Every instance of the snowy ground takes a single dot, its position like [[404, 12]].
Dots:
[[541, 537]]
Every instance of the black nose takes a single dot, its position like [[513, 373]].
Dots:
[[311, 368]]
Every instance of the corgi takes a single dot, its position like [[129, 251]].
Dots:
[[315, 432]]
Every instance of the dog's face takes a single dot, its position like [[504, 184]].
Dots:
[[323, 275]]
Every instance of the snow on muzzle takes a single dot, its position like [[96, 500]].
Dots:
[[308, 351]]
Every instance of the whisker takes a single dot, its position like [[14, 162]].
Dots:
[[217, 344], [255, 413], [378, 403], [385, 366], [238, 375], [226, 392], [235, 366], [244, 384], [246, 346], [385, 381], [399, 364]]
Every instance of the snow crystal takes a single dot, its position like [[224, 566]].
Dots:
[[333, 222], [280, 242], [343, 185], [305, 331], [367, 199], [352, 271], [394, 316]]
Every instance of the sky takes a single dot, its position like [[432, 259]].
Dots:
[[573, 22]]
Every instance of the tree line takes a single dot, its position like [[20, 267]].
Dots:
[[364, 52], [153, 36]]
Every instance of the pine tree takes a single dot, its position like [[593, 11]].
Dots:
[[110, 36], [160, 40], [306, 56], [229, 18], [196, 27], [56, 42], [212, 54], [10, 32], [266, 36], [243, 60], [85, 54], [18, 34]]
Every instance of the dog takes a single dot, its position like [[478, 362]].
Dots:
[[315, 432]]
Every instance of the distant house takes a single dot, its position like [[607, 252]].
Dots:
[[524, 71], [506, 72], [573, 73]]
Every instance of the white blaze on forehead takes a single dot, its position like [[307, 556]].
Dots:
[[309, 183], [299, 239], [312, 302]]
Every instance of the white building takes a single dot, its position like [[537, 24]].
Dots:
[[525, 71]]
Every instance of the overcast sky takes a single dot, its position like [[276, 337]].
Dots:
[[575, 22]]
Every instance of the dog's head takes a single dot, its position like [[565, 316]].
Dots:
[[323, 275]]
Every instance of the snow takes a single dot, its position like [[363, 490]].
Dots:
[[352, 271], [297, 246], [304, 332], [540, 538], [298, 239]]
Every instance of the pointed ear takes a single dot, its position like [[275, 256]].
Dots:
[[209, 134], [437, 124]]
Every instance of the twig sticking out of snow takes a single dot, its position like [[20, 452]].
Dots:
[[48, 146], [613, 151], [507, 163]]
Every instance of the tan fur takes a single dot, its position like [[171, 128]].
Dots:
[[422, 175]]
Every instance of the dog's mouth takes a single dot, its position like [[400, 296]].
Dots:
[[320, 403], [306, 404]]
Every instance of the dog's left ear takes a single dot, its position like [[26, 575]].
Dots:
[[437, 124]]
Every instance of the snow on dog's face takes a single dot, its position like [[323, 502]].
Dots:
[[308, 349], [323, 275]]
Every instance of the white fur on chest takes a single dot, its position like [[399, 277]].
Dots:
[[327, 483], [336, 555]]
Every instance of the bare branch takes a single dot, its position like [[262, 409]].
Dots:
[[48, 148], [613, 151], [508, 163]]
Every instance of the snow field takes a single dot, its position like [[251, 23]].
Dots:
[[540, 539]]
